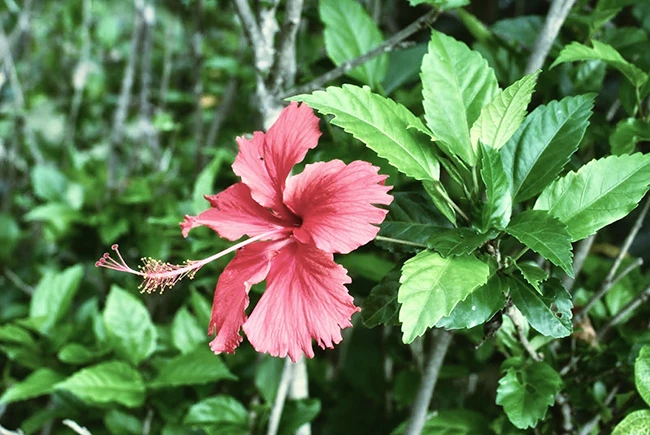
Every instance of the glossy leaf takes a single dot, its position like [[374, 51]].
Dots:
[[642, 373], [432, 286], [532, 273], [349, 33], [605, 53], [548, 313], [381, 307], [439, 196], [381, 124], [635, 423], [541, 147], [200, 366], [129, 328], [113, 381], [497, 208], [626, 135], [462, 79], [221, 410], [478, 307], [297, 413], [186, 332], [601, 192], [545, 235], [78, 354], [54, 294], [38, 383], [456, 241], [526, 391], [500, 118]]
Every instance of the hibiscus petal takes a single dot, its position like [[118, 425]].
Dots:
[[335, 202], [250, 266], [233, 214], [264, 162], [305, 298]]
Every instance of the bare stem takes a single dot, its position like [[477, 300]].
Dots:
[[280, 398], [624, 312], [197, 52], [300, 389], [400, 242], [522, 337], [146, 124], [384, 47], [554, 20], [609, 280], [283, 72], [440, 345]]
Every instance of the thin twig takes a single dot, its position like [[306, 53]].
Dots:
[[280, 398], [146, 426], [283, 72], [76, 428], [81, 71], [609, 280], [124, 99], [384, 47], [567, 417], [554, 20], [522, 337], [4, 431], [581, 252], [18, 282], [591, 424], [401, 242], [624, 312], [439, 347]]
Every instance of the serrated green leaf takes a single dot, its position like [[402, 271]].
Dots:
[[541, 147], [197, 367], [626, 135], [113, 381], [411, 217], [54, 294], [550, 312], [38, 383], [222, 410], [186, 332], [500, 118], [439, 197], [349, 33], [526, 392], [381, 307], [605, 53], [545, 235], [601, 192], [129, 328], [642, 373], [478, 307], [462, 79], [532, 273], [457, 241], [432, 286], [635, 423], [381, 124], [497, 208]]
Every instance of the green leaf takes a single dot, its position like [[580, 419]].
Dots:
[[545, 235], [381, 124], [366, 264], [635, 423], [432, 286], [549, 313], [200, 366], [457, 83], [113, 381], [205, 181], [201, 307], [500, 118], [54, 294], [601, 192], [626, 135], [440, 199], [541, 147], [221, 410], [121, 423], [49, 183], [497, 208], [296, 413], [381, 307], [605, 53], [75, 353], [532, 273], [526, 391], [186, 332], [642, 373], [268, 374], [411, 217], [349, 33], [452, 422], [38, 383], [129, 328], [478, 307], [457, 241]]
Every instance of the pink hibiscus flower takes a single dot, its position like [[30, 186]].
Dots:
[[295, 224]]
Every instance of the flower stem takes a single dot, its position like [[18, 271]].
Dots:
[[400, 242]]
